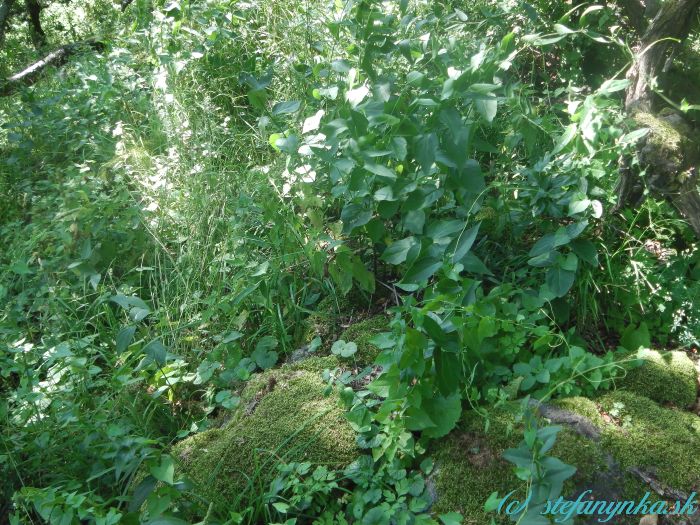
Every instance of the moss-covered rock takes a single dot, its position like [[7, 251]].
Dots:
[[361, 333], [665, 377], [283, 417], [632, 431], [469, 466], [325, 321], [657, 439]]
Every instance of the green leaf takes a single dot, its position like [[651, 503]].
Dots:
[[141, 492], [377, 516], [124, 338], [636, 337], [344, 349], [451, 518], [414, 220], [565, 138], [578, 206], [492, 503], [227, 399], [205, 370], [438, 230], [282, 108], [487, 106], [464, 243], [157, 352], [426, 146], [634, 136], [381, 171], [354, 216], [422, 270], [362, 275], [280, 507], [563, 30], [20, 268], [475, 265], [560, 280], [445, 412], [417, 419], [612, 86], [164, 472], [263, 355], [397, 251]]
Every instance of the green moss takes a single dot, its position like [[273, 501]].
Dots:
[[325, 321], [283, 417], [662, 134], [470, 467], [668, 377], [654, 438], [582, 406], [361, 333], [315, 364]]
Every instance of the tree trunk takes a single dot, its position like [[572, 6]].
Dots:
[[56, 58], [5, 8], [668, 154], [34, 14]]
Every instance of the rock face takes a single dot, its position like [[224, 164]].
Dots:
[[283, 417], [622, 443]]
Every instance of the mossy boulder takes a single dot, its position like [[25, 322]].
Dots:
[[284, 416], [665, 377], [361, 333], [469, 466], [325, 321], [661, 440], [632, 434]]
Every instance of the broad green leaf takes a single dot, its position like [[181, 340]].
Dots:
[[165, 471], [475, 265], [263, 355], [437, 230], [381, 171], [464, 242], [157, 352], [397, 251], [282, 108], [227, 399], [613, 85], [417, 419], [445, 412], [635, 337], [204, 371], [422, 270], [354, 216], [487, 106], [560, 280], [563, 30], [451, 518], [565, 138], [124, 338], [425, 148], [634, 136]]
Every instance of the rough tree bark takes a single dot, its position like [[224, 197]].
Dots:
[[5, 9], [37, 32], [668, 154]]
